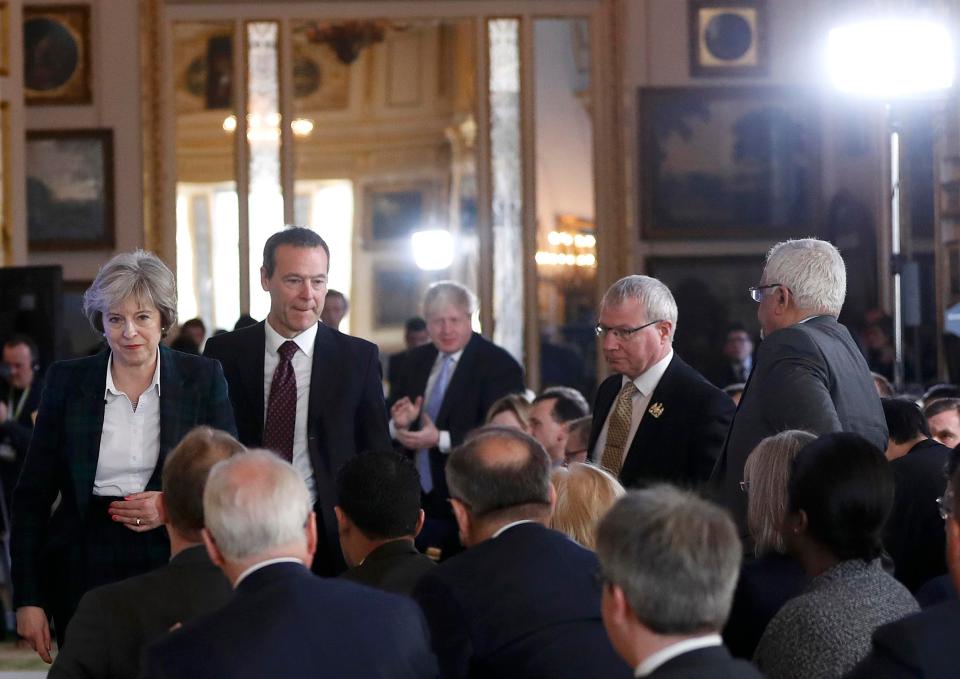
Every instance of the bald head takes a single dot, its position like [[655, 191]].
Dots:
[[500, 475]]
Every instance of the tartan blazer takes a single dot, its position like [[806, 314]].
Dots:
[[65, 447]]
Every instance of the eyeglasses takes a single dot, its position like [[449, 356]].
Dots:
[[623, 333], [756, 292], [945, 504], [745, 486]]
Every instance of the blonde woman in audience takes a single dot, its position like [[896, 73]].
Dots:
[[584, 494], [771, 578], [513, 410]]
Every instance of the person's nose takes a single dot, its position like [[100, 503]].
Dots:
[[608, 341], [129, 328]]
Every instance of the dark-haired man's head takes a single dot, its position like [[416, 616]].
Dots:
[[415, 332], [738, 346], [552, 410], [296, 262], [577, 440], [839, 496], [335, 307], [906, 426], [185, 473], [498, 476], [378, 501], [943, 419], [19, 360]]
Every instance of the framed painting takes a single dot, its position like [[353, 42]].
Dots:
[[56, 54], [4, 38], [396, 295], [70, 189], [727, 37], [393, 211], [722, 162]]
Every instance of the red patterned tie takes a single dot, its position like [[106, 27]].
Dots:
[[282, 409]]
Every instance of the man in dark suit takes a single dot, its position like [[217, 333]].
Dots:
[[669, 562], [20, 391], [306, 391], [442, 391], [522, 600], [924, 644], [414, 335], [282, 621], [379, 515], [656, 418], [735, 364], [809, 373], [113, 623], [914, 535]]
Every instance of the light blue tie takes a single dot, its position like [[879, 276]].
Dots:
[[432, 408]]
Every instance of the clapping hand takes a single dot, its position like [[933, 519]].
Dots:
[[405, 412], [427, 437]]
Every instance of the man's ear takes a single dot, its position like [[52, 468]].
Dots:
[[421, 517], [264, 279], [311, 531], [343, 521], [212, 550], [462, 516], [161, 508], [553, 497]]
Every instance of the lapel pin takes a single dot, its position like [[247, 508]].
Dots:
[[656, 409]]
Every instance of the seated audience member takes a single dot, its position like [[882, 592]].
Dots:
[[283, 621], [549, 415], [379, 516], [584, 494], [937, 392], [115, 622], [335, 308], [943, 419], [669, 563], [735, 391], [924, 645], [191, 337], [20, 389], [578, 436], [839, 497], [771, 578], [522, 600], [513, 410], [914, 535], [884, 388]]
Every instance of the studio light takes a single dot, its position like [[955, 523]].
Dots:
[[432, 249]]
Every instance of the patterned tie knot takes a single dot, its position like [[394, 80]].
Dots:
[[628, 390], [287, 350]]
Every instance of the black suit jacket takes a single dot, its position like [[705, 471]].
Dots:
[[914, 535], [714, 662], [809, 376], [345, 416], [63, 459], [394, 566], [283, 621], [524, 604], [484, 373], [923, 645], [16, 433], [680, 446], [115, 622]]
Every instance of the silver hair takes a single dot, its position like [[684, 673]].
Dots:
[[255, 502], [443, 293], [675, 556], [140, 275], [655, 298], [814, 272]]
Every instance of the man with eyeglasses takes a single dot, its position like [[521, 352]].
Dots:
[[808, 373], [656, 418], [924, 644]]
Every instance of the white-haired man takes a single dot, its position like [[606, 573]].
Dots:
[[656, 418], [282, 620], [809, 373], [443, 390]]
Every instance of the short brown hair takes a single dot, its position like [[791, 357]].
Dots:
[[185, 474]]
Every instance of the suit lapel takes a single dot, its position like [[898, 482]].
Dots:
[[84, 424], [420, 373], [605, 397], [178, 409], [250, 368], [325, 378], [459, 382], [663, 400]]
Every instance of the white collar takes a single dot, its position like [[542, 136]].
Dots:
[[504, 529], [263, 564], [111, 388], [652, 662], [649, 380], [304, 340]]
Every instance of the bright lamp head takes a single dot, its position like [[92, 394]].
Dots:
[[891, 58], [432, 249]]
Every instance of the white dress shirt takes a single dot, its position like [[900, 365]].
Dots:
[[645, 383], [654, 661], [302, 368], [444, 444], [130, 438]]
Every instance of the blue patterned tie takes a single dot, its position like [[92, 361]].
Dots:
[[432, 408]]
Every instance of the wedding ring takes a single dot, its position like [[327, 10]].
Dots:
[[138, 520]]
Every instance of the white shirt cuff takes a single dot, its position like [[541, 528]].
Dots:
[[444, 443]]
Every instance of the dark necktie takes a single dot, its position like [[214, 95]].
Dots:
[[282, 409]]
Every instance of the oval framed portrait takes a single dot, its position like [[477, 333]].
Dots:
[[56, 55]]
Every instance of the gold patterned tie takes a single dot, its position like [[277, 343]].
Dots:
[[615, 448]]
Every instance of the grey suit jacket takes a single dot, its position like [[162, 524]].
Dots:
[[115, 622], [809, 376]]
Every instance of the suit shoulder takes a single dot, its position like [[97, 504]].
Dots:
[[355, 344], [493, 351]]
